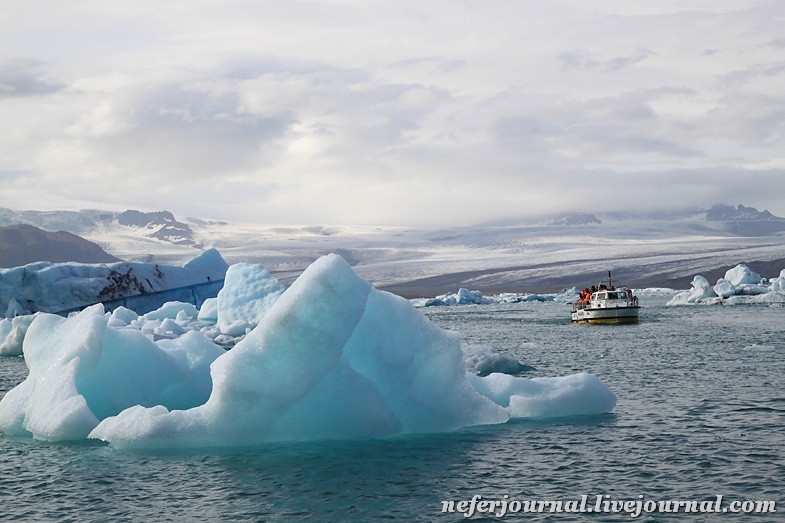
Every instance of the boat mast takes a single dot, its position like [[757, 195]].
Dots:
[[610, 281]]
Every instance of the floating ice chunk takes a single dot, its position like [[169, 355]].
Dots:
[[483, 360], [12, 334], [462, 297], [210, 263], [739, 286], [169, 326], [580, 394], [701, 290], [235, 328], [171, 310], [58, 287], [248, 292], [724, 288], [81, 371], [47, 404], [209, 310], [332, 358], [778, 284], [741, 274], [121, 317]]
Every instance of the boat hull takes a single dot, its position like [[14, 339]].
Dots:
[[612, 315]]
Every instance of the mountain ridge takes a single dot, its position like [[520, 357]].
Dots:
[[23, 243], [157, 225], [652, 248]]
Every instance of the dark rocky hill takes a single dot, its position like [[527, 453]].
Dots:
[[22, 244]]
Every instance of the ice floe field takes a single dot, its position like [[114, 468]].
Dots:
[[339, 402]]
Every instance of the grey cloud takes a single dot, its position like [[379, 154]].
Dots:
[[433, 64], [525, 128], [778, 43], [604, 127], [578, 60], [20, 78], [702, 186], [251, 66], [9, 174], [185, 133], [741, 77], [451, 66], [621, 62], [753, 118], [583, 60]]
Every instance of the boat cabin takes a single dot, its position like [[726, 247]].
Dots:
[[622, 294]]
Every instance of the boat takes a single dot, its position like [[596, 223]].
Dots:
[[606, 303]]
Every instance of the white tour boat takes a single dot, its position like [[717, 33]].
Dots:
[[606, 304]]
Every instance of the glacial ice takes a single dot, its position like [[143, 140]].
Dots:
[[331, 357], [56, 287], [12, 334], [740, 285], [466, 297], [248, 292]]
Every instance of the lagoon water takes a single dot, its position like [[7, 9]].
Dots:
[[701, 413]]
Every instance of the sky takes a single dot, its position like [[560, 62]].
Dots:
[[370, 112]]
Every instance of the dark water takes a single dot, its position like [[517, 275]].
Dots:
[[701, 413]]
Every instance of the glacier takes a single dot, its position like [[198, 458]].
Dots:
[[330, 357]]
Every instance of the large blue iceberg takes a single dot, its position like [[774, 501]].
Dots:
[[331, 358]]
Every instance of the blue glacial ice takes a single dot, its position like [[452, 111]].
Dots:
[[330, 357]]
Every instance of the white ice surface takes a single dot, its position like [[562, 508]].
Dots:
[[739, 286]]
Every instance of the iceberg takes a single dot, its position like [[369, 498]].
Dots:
[[484, 360], [81, 371], [330, 358], [740, 285], [248, 292], [466, 297], [12, 334], [62, 287]]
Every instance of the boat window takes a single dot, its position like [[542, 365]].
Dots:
[[613, 295], [602, 296]]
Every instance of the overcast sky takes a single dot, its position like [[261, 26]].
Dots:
[[398, 112]]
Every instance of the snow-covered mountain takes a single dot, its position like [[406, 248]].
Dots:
[[722, 212], [159, 226], [647, 250]]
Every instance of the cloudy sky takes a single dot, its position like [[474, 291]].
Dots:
[[404, 112]]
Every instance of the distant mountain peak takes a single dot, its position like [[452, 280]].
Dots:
[[723, 212], [575, 218], [161, 224]]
